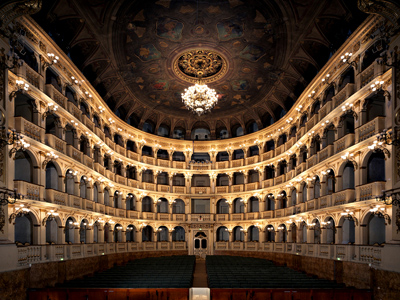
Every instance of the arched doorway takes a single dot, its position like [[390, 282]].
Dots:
[[200, 244]]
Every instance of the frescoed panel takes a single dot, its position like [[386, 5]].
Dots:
[[160, 85], [169, 29], [252, 53], [229, 29], [148, 52], [240, 85]]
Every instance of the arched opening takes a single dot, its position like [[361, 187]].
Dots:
[[293, 197], [222, 133], [376, 167], [330, 182], [118, 233], [254, 204], [330, 230], [376, 229], [82, 231], [238, 206], [270, 232], [252, 127], [348, 176], [148, 127], [162, 206], [147, 176], [147, 204], [23, 166], [162, 234], [69, 182], [269, 145], [178, 207], [69, 231], [178, 156], [253, 233], [24, 107], [96, 193], [51, 176], [118, 140], [304, 193], [293, 232], [282, 200], [317, 188], [106, 194], [222, 234], [237, 130], [147, 234], [117, 199], [282, 233], [222, 206], [179, 133], [282, 139], [348, 231], [163, 130], [130, 202], [238, 234], [85, 109], [96, 230], [200, 134], [71, 96], [238, 154], [53, 79], [330, 92], [269, 172], [131, 146], [222, 180], [51, 231], [374, 106], [147, 151], [83, 187], [130, 233], [162, 154], [253, 176], [347, 77], [178, 235], [270, 202], [317, 231], [52, 125], [23, 229]]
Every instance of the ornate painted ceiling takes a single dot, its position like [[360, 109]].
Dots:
[[257, 55]]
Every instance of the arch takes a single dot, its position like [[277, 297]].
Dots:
[[270, 202], [293, 197], [83, 186], [303, 232], [282, 200], [23, 166], [222, 234], [317, 187], [23, 229], [282, 234], [69, 182], [24, 107], [117, 232], [293, 232], [254, 204], [148, 126], [106, 195], [147, 234], [238, 206], [83, 231], [317, 231], [130, 202], [251, 127], [330, 230], [348, 232], [163, 130], [374, 106], [179, 133], [200, 131], [304, 197], [117, 199], [130, 233], [253, 233], [237, 130], [69, 230], [147, 204], [162, 206], [52, 230], [178, 235], [348, 176], [52, 177], [376, 167], [222, 206], [178, 206], [346, 77], [96, 230], [270, 233], [238, 234], [376, 228], [96, 191]]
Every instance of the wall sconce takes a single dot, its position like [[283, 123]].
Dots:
[[19, 211], [387, 138], [51, 108], [8, 196], [377, 85], [53, 58], [381, 213], [325, 80], [21, 87], [17, 142], [349, 215], [50, 156], [346, 59], [51, 215]]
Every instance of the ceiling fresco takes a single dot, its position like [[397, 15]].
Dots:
[[257, 55]]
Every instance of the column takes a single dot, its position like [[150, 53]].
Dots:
[[213, 180]]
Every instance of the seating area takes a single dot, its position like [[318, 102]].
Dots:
[[247, 272], [154, 272]]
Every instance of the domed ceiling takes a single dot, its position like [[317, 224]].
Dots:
[[257, 55]]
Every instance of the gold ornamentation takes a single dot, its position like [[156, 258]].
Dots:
[[205, 64]]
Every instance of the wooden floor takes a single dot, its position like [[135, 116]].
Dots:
[[200, 274]]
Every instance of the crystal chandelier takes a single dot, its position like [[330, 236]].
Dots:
[[199, 98]]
